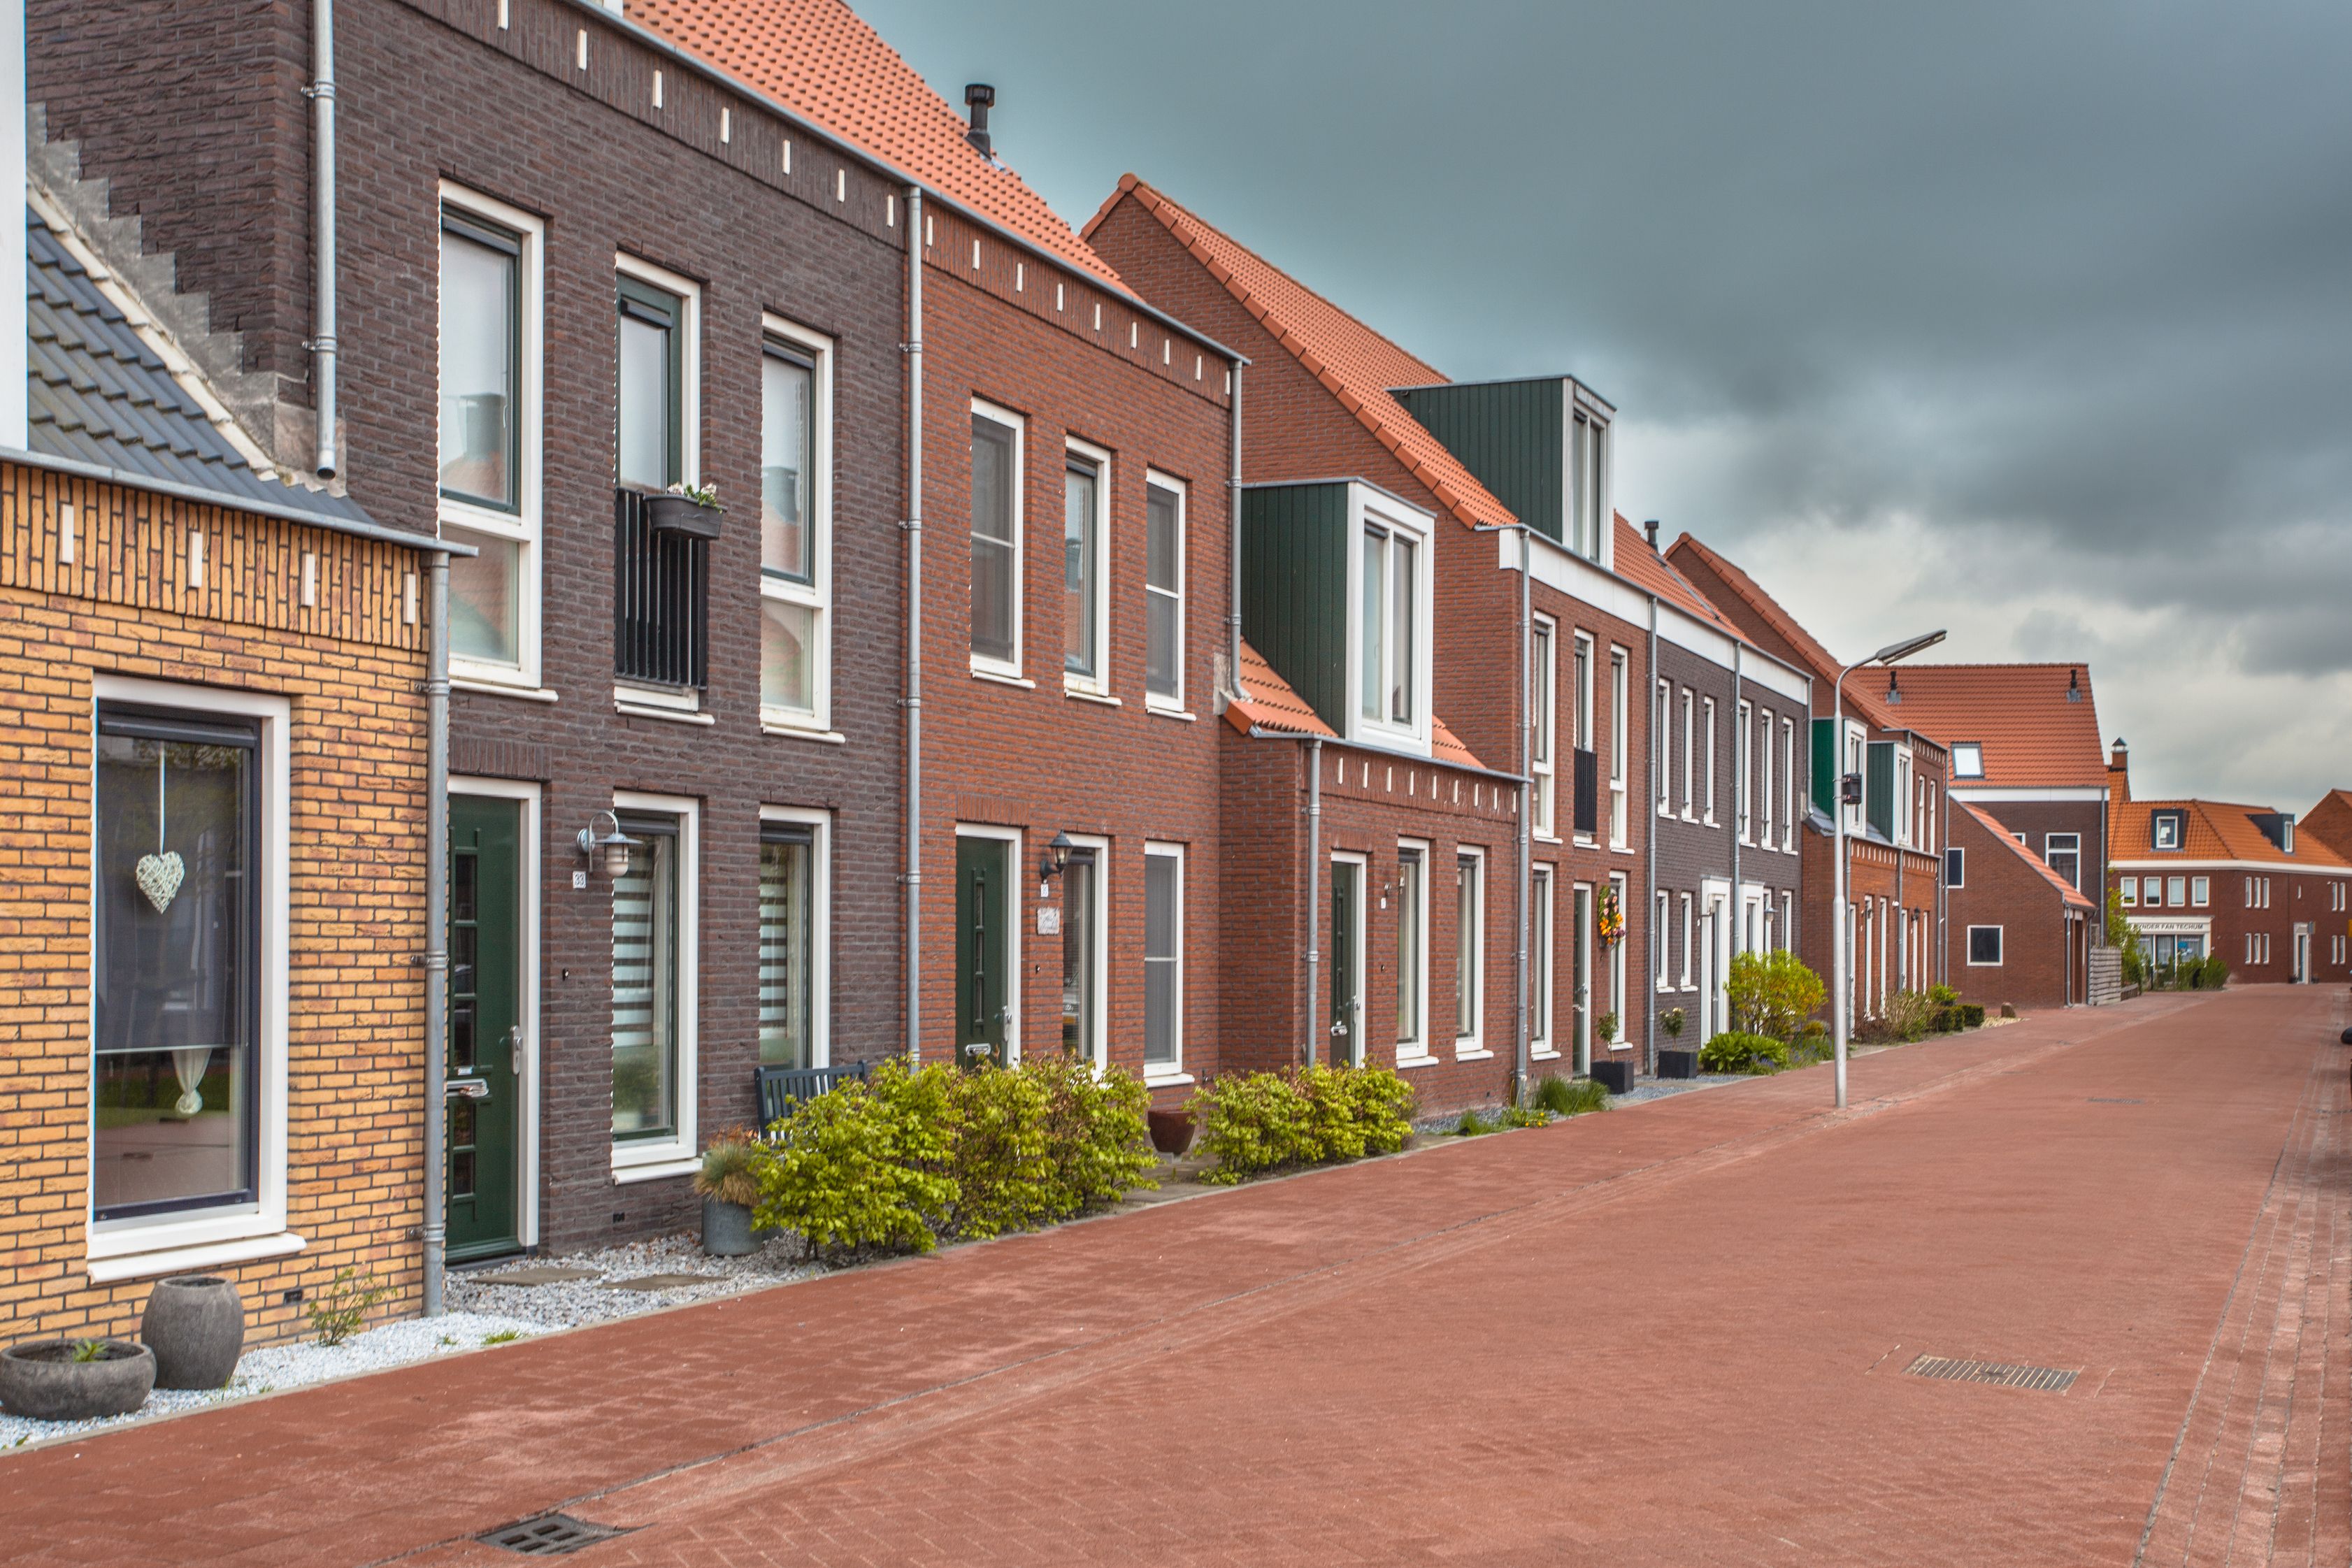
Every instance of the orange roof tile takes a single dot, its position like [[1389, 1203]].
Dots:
[[1355, 363], [1272, 703], [1444, 746], [2007, 840], [1645, 568], [1824, 665], [822, 61], [2032, 734], [2210, 830]]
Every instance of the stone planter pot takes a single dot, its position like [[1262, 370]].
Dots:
[[194, 1324], [1617, 1077], [1678, 1064], [41, 1379], [726, 1228], [676, 515], [1172, 1131]]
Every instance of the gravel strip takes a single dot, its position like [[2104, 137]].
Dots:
[[292, 1365], [576, 1301]]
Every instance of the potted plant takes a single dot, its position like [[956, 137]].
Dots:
[[1606, 1026], [729, 1182], [195, 1326], [74, 1379], [689, 509], [1676, 1063], [1670, 1020]]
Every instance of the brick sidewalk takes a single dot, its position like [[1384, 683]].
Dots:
[[1672, 1334]]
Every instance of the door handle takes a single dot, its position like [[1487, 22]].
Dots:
[[514, 1049]]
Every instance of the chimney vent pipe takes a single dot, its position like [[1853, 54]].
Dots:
[[979, 97], [1651, 529]]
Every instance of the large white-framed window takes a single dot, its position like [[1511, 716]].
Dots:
[[1163, 961], [1620, 998], [1790, 793], [2063, 851], [1469, 949], [997, 438], [795, 941], [2128, 887], [1086, 567], [1690, 754], [1413, 951], [1903, 808], [1707, 734], [1744, 771], [188, 978], [1542, 683], [657, 420], [1662, 722], [1164, 517], [492, 288], [1689, 945], [1589, 483], [1661, 938], [1086, 950], [1390, 602], [1855, 743], [656, 992], [1539, 962], [1621, 712], [795, 527], [1984, 946]]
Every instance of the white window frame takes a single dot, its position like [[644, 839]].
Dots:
[[649, 1159], [1969, 947], [1417, 1049], [1007, 669], [143, 1246], [1589, 537], [1099, 684], [1903, 808], [1621, 709], [2129, 889], [1665, 725], [1787, 921], [1540, 934], [1472, 1045], [1790, 793], [1153, 478], [1369, 509], [1690, 754], [1962, 751], [2072, 845], [817, 593], [1857, 762], [523, 525], [689, 355], [2158, 832], [1171, 1071], [1960, 881], [1662, 937], [1100, 1001], [1689, 931], [1617, 996], [1743, 773], [820, 824], [1543, 727], [1706, 813]]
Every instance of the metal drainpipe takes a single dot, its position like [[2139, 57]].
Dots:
[[913, 879], [1526, 823], [1737, 913], [437, 931], [1650, 837], [1314, 888], [321, 93], [1234, 528]]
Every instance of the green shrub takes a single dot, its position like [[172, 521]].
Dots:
[[1733, 1052], [1097, 1134], [1253, 1123], [864, 1166], [1908, 1014], [1000, 1162], [1523, 1116], [2215, 972], [1472, 1125], [1970, 1015], [343, 1303], [1572, 1097], [730, 1167], [1771, 993], [1670, 1020], [1942, 996]]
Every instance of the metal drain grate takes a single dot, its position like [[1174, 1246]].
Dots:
[[2111, 1100], [548, 1536], [2049, 1379]]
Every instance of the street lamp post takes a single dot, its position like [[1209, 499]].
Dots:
[[1842, 928]]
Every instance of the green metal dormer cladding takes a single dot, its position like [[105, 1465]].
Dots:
[[1540, 445], [1337, 594]]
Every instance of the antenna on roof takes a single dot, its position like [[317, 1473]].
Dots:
[[978, 95]]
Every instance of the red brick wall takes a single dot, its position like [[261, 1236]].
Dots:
[[2296, 898], [2042, 959], [1898, 880]]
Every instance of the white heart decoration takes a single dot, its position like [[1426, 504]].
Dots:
[[160, 876]]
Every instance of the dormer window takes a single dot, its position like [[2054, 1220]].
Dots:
[[2164, 830], [1389, 639], [1589, 483], [1968, 760]]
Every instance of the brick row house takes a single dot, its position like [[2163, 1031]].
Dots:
[[212, 717], [2242, 882], [1895, 918], [2023, 740]]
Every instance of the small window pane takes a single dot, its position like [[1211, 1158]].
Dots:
[[1371, 615], [1984, 944], [480, 354], [787, 446], [1081, 551], [1400, 646], [1409, 972], [486, 598], [787, 916], [1162, 938], [993, 557], [1469, 941], [1164, 568], [645, 982], [648, 412], [787, 654]]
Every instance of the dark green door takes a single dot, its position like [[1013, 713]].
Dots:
[[984, 972], [484, 1023], [1347, 901]]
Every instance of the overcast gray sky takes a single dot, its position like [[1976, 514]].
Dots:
[[2032, 320]]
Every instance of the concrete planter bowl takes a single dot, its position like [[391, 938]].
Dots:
[[726, 1228], [40, 1378], [195, 1324]]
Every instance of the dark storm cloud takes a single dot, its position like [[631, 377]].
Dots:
[[2057, 297]]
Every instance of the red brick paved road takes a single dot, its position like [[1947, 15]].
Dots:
[[1673, 1334]]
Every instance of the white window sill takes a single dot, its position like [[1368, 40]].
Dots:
[[182, 1259], [802, 732], [1543, 1056], [1624, 1045], [1002, 679], [1539, 836], [1158, 710], [670, 715], [667, 1165], [1088, 694], [501, 689], [1586, 842], [1473, 1054], [1406, 1063], [1165, 1080]]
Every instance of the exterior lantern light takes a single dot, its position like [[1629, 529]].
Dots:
[[1057, 856], [613, 846]]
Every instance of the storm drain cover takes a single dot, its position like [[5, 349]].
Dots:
[[548, 1536], [2049, 1379]]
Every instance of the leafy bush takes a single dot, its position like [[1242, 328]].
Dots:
[[1572, 1097], [1001, 1164], [1097, 1134], [1772, 993], [2119, 932], [1908, 1014], [1734, 1052], [2217, 972], [864, 1166], [1970, 1015], [1670, 1020], [1942, 996], [730, 1167], [1523, 1116], [1606, 1028], [1259, 1121], [1472, 1125], [2134, 971], [344, 1305]]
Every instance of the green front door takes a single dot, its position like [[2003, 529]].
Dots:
[[1347, 910], [484, 1023], [984, 972]]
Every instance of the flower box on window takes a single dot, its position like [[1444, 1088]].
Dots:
[[683, 515]]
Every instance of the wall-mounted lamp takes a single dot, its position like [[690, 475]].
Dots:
[[613, 846], [1057, 856]]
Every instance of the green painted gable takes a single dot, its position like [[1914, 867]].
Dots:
[[1511, 435], [1294, 589]]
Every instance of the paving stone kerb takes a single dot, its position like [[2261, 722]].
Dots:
[[1668, 1334]]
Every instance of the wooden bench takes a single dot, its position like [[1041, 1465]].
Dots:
[[782, 1088]]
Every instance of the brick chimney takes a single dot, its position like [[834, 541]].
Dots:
[[2120, 774]]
